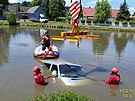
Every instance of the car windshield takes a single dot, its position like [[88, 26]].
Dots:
[[71, 70]]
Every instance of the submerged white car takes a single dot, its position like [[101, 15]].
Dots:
[[71, 74]]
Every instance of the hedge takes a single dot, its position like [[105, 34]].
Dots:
[[63, 96]]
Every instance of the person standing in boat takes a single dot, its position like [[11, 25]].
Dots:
[[38, 76], [114, 77], [46, 41]]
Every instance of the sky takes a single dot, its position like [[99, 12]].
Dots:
[[115, 4]]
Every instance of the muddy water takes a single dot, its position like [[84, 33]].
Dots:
[[97, 57]]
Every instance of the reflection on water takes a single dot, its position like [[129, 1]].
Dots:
[[97, 57], [113, 89], [4, 46], [39, 90]]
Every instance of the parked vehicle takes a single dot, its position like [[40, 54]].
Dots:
[[37, 17]]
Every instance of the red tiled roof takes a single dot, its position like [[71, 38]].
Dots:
[[89, 12], [114, 13]]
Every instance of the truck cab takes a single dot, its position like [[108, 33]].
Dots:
[[42, 18], [37, 17]]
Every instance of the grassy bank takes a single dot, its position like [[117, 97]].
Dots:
[[62, 25], [50, 24], [118, 29]]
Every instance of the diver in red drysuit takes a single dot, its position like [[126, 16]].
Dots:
[[38, 76], [114, 77]]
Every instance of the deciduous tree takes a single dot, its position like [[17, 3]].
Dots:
[[45, 6], [57, 9], [36, 2], [25, 3], [102, 11], [4, 3]]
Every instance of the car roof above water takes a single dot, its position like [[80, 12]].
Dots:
[[58, 62]]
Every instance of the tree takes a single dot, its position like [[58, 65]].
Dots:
[[12, 4], [25, 3], [4, 3], [45, 6], [11, 19], [102, 11], [124, 13], [36, 2], [53, 8], [97, 14], [56, 9], [68, 15], [1, 13]]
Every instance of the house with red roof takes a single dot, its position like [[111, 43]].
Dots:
[[88, 13]]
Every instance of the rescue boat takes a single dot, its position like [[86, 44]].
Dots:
[[52, 52]]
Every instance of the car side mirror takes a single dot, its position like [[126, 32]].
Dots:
[[54, 73]]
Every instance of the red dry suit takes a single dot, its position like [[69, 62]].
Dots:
[[114, 79], [39, 78]]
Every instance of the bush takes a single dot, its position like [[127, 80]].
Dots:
[[11, 18], [124, 22], [101, 21], [133, 19], [68, 18], [61, 19], [108, 22], [62, 96], [88, 21], [116, 22], [82, 21], [131, 22], [95, 21]]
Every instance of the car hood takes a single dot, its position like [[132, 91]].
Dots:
[[70, 81]]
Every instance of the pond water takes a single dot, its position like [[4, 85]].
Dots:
[[97, 57]]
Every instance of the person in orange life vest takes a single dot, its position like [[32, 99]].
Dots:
[[46, 40], [114, 77], [38, 76]]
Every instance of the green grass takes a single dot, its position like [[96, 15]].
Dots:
[[4, 22], [50, 24], [62, 25]]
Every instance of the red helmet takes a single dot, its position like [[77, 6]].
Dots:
[[36, 69], [115, 70]]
